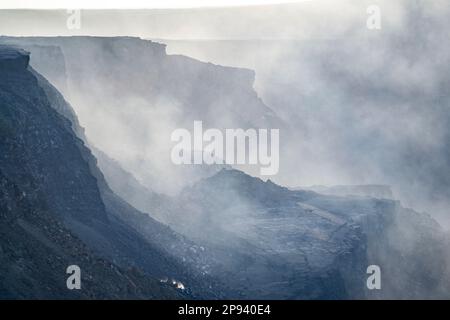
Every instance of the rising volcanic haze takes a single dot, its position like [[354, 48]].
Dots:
[[368, 106]]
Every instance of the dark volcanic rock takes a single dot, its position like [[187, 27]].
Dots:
[[44, 183], [42, 158], [13, 58], [36, 248], [273, 242]]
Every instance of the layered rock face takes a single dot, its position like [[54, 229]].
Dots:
[[203, 90], [133, 86]]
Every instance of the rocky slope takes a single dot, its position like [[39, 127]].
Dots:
[[42, 159], [280, 243], [36, 248]]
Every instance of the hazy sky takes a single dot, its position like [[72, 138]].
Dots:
[[318, 19], [132, 4]]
